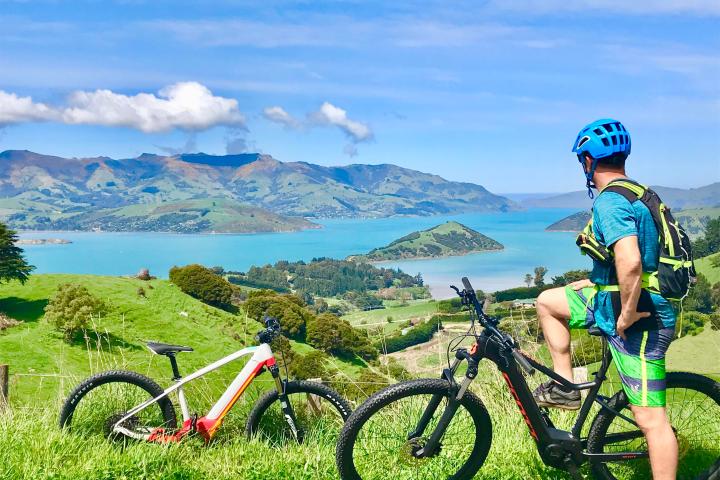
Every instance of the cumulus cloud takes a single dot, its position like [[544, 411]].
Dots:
[[186, 105], [279, 115], [328, 115], [15, 109]]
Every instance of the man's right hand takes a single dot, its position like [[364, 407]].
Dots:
[[581, 284]]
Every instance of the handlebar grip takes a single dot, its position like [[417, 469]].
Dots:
[[466, 284], [523, 362]]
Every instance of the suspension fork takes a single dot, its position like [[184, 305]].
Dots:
[[456, 394], [285, 404]]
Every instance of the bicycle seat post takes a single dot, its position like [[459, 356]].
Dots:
[[174, 365]]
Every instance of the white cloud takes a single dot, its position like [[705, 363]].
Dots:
[[279, 115], [329, 114], [14, 109], [185, 105]]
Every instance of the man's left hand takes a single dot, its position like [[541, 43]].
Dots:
[[627, 319]]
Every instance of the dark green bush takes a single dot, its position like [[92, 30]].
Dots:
[[419, 334], [201, 283], [311, 365], [692, 323], [288, 309]]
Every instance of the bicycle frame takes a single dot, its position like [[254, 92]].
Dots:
[[262, 356], [557, 448]]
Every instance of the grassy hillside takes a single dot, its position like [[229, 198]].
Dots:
[[186, 216], [704, 266], [447, 239], [166, 315]]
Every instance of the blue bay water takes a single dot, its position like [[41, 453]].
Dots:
[[527, 245]]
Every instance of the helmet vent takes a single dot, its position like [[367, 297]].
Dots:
[[608, 127], [605, 141], [597, 131], [583, 141], [614, 139]]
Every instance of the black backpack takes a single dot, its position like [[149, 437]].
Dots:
[[676, 269]]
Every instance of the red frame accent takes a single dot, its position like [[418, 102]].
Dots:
[[533, 433]]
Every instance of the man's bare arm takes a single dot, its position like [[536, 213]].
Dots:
[[628, 265]]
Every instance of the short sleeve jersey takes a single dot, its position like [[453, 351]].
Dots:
[[614, 218]]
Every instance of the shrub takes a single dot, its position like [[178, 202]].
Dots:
[[715, 321], [201, 283], [692, 323], [396, 370], [415, 336], [71, 308], [451, 305], [310, 365], [334, 335], [288, 309], [141, 292], [518, 292]]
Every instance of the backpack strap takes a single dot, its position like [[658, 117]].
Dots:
[[629, 189]]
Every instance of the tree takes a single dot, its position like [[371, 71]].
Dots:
[[528, 279], [71, 309], [700, 296], [710, 242], [201, 283], [715, 296], [13, 265], [540, 276], [570, 277], [310, 365]]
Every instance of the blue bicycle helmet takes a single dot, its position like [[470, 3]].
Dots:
[[600, 139]]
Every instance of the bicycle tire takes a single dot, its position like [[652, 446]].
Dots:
[[153, 390], [268, 399], [680, 380], [470, 402]]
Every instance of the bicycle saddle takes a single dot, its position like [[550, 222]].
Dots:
[[166, 349]]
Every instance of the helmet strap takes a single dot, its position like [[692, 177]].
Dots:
[[588, 174]]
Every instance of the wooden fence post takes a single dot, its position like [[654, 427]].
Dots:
[[4, 377]]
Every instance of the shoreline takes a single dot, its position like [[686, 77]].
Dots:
[[438, 257]]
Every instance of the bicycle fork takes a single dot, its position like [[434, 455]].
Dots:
[[285, 404], [432, 445]]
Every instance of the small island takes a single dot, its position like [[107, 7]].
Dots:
[[43, 241], [571, 223], [445, 240]]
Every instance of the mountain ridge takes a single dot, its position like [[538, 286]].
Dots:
[[286, 188]]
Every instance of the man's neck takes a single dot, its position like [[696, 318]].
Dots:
[[601, 179]]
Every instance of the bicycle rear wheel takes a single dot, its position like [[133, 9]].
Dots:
[[693, 408], [101, 400], [375, 443]]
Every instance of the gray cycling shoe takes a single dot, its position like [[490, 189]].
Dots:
[[549, 394]]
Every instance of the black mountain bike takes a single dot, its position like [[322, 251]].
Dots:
[[437, 428]]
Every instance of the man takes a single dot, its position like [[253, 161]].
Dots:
[[639, 324]]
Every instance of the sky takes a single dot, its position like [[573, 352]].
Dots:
[[490, 92]]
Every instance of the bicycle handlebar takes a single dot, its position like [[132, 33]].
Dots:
[[469, 298]]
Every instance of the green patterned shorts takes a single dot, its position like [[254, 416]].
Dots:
[[640, 359]]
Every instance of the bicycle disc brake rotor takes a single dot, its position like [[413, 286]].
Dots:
[[413, 446], [131, 423]]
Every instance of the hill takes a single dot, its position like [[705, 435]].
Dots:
[[693, 220], [31, 182], [677, 198], [48, 366], [705, 266], [447, 239], [571, 223], [214, 215]]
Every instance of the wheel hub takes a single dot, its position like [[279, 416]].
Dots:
[[415, 445], [131, 424]]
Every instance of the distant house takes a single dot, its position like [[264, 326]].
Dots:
[[524, 303]]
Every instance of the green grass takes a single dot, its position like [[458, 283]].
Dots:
[[34, 348], [399, 313], [704, 266]]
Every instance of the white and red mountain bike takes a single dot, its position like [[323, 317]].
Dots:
[[123, 405]]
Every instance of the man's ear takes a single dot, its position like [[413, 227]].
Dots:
[[588, 162]]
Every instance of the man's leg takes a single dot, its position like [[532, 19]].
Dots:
[[662, 444], [553, 313]]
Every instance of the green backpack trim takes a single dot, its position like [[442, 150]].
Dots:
[[676, 270]]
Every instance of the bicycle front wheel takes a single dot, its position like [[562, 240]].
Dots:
[[320, 413], [693, 408], [376, 442]]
